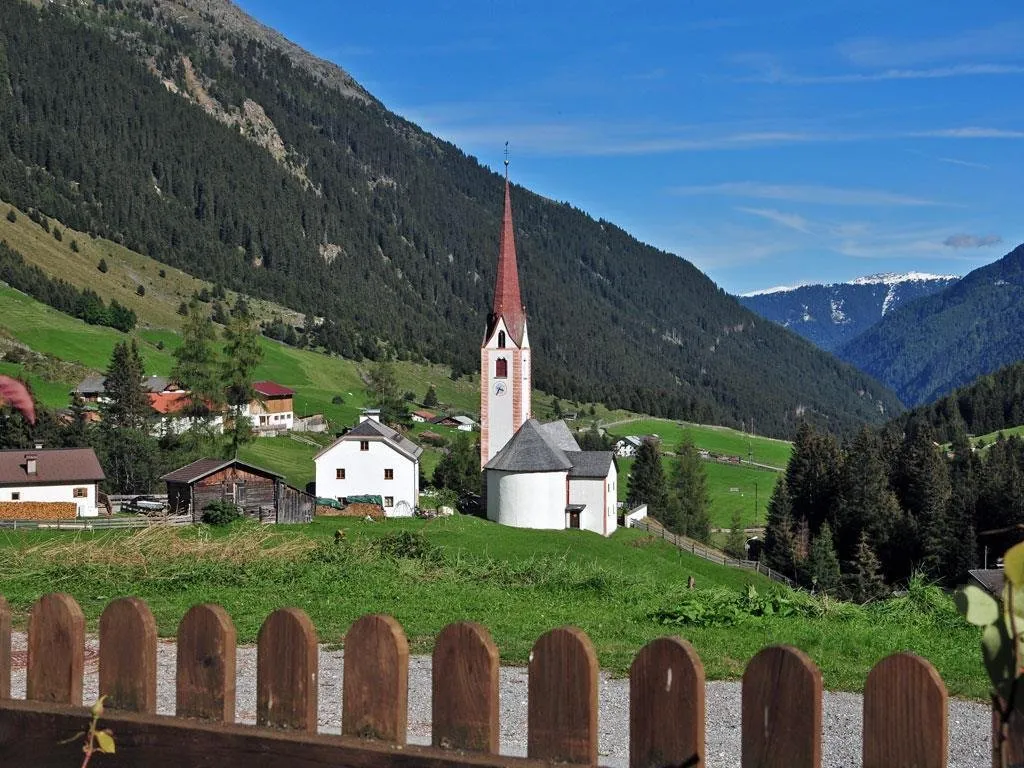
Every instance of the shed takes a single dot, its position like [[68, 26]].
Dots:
[[260, 493]]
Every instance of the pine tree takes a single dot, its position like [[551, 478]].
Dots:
[[923, 488], [688, 493], [866, 582], [647, 481], [779, 551], [430, 399], [736, 543], [125, 405], [196, 368], [823, 564], [812, 476], [242, 354], [866, 500]]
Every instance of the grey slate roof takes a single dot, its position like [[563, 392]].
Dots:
[[990, 579], [373, 428], [539, 447], [95, 384], [56, 466], [530, 450], [590, 463], [200, 468]]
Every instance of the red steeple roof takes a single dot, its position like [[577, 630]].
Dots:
[[508, 304]]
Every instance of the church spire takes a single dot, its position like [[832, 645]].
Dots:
[[508, 304]]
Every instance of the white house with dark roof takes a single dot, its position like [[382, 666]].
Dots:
[[371, 459], [57, 475], [541, 479]]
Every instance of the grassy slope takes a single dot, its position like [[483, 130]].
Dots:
[[720, 440], [519, 583]]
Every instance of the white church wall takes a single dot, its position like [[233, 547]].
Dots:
[[589, 491], [526, 499]]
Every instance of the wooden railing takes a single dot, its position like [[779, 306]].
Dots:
[[695, 547], [905, 701]]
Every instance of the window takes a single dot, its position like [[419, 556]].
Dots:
[[389, 474], [16, 496], [364, 445], [501, 368], [389, 501], [339, 473], [80, 493], [501, 339]]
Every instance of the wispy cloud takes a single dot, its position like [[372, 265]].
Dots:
[[778, 76], [1000, 40], [789, 220], [971, 241], [970, 132], [806, 193], [966, 163]]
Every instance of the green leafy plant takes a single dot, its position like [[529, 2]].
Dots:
[[96, 739], [1002, 641], [221, 513]]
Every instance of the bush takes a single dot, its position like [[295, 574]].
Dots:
[[11, 215], [337, 400], [410, 545], [221, 513], [102, 266], [74, 246], [57, 234], [163, 273], [141, 290]]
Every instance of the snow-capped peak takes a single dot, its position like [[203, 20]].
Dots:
[[776, 289], [892, 278]]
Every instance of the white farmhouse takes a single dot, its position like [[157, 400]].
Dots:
[[626, 447], [59, 475], [371, 459], [541, 479]]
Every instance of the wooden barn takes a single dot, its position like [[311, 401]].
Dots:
[[259, 493]]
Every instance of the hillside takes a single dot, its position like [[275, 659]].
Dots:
[[191, 135], [834, 314], [928, 348]]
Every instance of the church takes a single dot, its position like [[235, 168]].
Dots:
[[536, 476]]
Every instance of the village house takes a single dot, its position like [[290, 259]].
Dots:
[[626, 447], [422, 416], [371, 459], [462, 423], [541, 479], [257, 492], [272, 410], [170, 407], [49, 484]]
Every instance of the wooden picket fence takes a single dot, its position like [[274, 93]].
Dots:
[[905, 701]]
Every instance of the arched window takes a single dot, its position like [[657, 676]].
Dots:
[[501, 339], [501, 368]]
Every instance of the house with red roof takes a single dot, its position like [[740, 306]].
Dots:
[[272, 410], [170, 406]]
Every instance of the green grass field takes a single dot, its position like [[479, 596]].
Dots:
[[721, 440], [518, 583]]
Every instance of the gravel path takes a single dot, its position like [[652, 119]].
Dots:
[[969, 722]]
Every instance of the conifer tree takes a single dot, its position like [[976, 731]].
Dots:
[[812, 476], [242, 354], [130, 454], [736, 543], [923, 489], [125, 404], [822, 564], [779, 551], [647, 481], [866, 582], [688, 494], [196, 366], [866, 499], [430, 399]]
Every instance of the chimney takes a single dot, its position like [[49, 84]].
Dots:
[[30, 463]]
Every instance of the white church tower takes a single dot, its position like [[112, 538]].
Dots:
[[505, 377]]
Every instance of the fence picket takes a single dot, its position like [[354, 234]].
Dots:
[[206, 664], [375, 699], [666, 705], [128, 655], [906, 714], [287, 659], [465, 689], [5, 649], [562, 717], [781, 721], [56, 650]]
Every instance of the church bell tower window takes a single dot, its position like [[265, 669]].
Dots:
[[501, 368], [501, 339]]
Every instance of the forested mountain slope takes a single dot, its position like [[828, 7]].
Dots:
[[832, 315], [931, 346], [206, 143]]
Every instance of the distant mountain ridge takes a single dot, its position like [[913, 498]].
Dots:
[[929, 347], [833, 314]]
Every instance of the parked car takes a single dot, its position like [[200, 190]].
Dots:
[[145, 505]]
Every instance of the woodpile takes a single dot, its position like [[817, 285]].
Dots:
[[38, 510], [352, 510]]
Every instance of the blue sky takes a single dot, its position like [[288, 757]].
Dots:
[[767, 143]]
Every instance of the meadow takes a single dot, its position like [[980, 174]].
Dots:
[[623, 591]]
